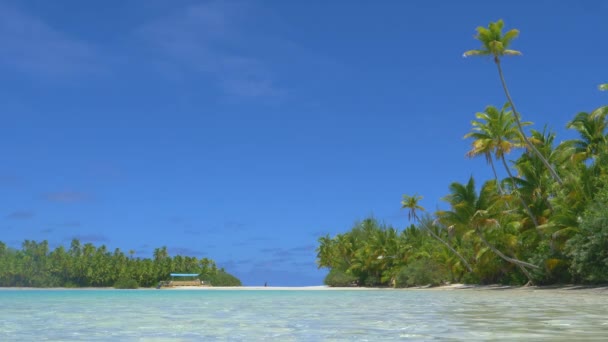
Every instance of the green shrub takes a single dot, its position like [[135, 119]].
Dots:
[[222, 278], [126, 283], [589, 248], [422, 272], [371, 281], [337, 278]]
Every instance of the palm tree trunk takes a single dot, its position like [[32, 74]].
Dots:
[[527, 274], [523, 202], [501, 255], [521, 129], [496, 176], [464, 261]]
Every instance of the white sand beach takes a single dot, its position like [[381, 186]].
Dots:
[[451, 287]]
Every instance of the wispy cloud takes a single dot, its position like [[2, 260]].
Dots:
[[233, 265], [192, 232], [234, 225], [67, 197], [70, 224], [184, 251], [285, 254], [20, 215], [92, 238], [32, 46], [105, 171], [207, 39]]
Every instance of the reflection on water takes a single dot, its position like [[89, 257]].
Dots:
[[150, 315]]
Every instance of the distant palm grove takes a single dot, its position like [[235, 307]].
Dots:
[[545, 223], [86, 265]]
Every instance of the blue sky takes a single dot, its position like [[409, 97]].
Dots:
[[244, 130]]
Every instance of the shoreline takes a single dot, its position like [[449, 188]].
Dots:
[[451, 287]]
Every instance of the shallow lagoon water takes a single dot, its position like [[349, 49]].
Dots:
[[374, 315]]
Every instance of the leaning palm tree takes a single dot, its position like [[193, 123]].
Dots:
[[411, 203], [495, 133], [494, 43], [472, 213]]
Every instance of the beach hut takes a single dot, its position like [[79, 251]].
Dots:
[[182, 279]]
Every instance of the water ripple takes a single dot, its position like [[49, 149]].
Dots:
[[148, 315]]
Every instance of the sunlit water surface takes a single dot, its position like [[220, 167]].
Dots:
[[375, 315]]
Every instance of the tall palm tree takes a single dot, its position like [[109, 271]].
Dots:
[[494, 43], [495, 133], [411, 203]]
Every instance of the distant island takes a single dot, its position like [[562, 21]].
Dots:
[[545, 223], [89, 266]]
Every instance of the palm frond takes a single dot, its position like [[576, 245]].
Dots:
[[496, 28], [511, 52], [476, 53], [483, 34], [509, 36], [493, 42]]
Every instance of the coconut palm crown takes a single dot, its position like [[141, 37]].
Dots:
[[411, 203], [494, 42]]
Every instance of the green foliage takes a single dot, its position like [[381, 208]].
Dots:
[[546, 223], [222, 278], [555, 265], [337, 278], [88, 265], [494, 42], [126, 283], [589, 248], [372, 280], [422, 272]]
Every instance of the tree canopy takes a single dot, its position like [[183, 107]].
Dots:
[[545, 223], [85, 265]]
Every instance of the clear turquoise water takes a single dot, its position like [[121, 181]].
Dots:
[[377, 315]]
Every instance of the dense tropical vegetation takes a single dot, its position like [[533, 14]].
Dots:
[[85, 265], [545, 223]]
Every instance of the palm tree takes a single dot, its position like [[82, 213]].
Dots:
[[584, 178], [494, 43], [472, 213], [484, 144], [495, 133], [591, 128], [411, 203], [325, 252]]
